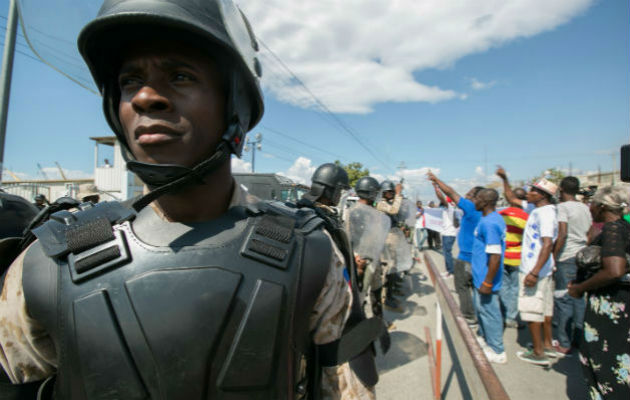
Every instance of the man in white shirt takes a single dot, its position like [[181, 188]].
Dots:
[[574, 223], [535, 302], [449, 231]]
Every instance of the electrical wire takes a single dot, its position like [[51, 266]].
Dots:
[[286, 136], [324, 108]]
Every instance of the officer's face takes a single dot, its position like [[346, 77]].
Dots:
[[389, 194], [172, 103]]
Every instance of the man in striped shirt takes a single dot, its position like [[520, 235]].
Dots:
[[515, 219]]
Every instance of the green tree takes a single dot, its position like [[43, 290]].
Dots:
[[552, 174], [355, 171]]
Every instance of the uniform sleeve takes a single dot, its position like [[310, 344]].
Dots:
[[548, 223], [391, 209], [330, 313], [563, 215], [27, 353]]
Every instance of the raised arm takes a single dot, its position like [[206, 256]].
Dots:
[[391, 209], [439, 194], [446, 189], [507, 190]]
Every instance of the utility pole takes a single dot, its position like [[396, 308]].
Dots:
[[613, 155], [256, 145], [5, 75], [402, 166]]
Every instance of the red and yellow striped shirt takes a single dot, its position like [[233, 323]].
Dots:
[[515, 220]]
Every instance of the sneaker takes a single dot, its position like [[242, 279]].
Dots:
[[510, 323], [561, 351], [497, 358], [446, 274], [471, 321], [482, 343], [530, 357], [550, 352]]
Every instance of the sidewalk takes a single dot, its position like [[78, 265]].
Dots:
[[404, 370]]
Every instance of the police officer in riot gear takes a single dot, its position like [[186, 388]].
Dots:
[[199, 291], [40, 201], [368, 230], [390, 205], [367, 189], [328, 183]]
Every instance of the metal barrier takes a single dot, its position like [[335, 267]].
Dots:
[[481, 379]]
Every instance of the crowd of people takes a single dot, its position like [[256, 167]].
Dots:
[[552, 260]]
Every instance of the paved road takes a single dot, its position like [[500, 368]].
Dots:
[[405, 369]]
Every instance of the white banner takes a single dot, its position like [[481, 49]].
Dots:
[[433, 219]]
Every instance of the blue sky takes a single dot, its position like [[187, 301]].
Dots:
[[544, 96]]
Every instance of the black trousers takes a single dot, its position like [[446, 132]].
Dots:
[[434, 239], [464, 288]]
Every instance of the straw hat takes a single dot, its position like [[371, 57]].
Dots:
[[546, 186]]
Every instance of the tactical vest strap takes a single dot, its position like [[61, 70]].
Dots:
[[65, 229], [88, 235], [24, 391], [352, 343]]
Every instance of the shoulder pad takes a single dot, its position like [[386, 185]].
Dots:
[[305, 219], [62, 234]]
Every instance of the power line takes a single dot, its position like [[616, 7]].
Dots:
[[277, 156], [286, 136], [23, 53], [325, 108], [45, 34]]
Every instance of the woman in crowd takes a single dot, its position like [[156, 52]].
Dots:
[[605, 350]]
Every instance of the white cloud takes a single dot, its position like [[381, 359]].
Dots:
[[300, 171], [240, 165], [356, 54], [476, 84], [415, 183]]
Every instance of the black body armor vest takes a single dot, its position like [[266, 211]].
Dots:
[[146, 309]]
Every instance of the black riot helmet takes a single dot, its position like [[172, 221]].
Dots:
[[388, 186], [217, 26], [329, 181], [367, 188]]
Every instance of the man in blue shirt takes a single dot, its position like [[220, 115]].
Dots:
[[487, 271], [463, 269]]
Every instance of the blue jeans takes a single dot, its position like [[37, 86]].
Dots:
[[490, 319], [421, 237], [509, 293], [447, 246], [568, 313]]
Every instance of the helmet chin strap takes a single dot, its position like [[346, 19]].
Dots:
[[169, 178]]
